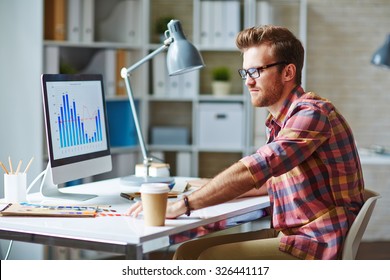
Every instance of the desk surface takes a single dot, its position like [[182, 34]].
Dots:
[[369, 157], [117, 234]]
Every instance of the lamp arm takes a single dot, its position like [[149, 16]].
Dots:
[[125, 75], [126, 71], [135, 118]]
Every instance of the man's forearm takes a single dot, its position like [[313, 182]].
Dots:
[[229, 184], [256, 192]]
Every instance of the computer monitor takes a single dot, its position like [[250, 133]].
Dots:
[[76, 131]]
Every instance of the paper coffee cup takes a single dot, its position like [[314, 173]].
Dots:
[[15, 187], [154, 197]]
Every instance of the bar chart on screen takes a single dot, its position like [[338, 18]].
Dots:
[[76, 118], [78, 128]]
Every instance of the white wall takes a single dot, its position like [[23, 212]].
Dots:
[[20, 97]]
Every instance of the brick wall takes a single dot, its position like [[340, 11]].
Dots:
[[342, 35]]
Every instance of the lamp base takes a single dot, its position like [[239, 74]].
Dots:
[[135, 181]]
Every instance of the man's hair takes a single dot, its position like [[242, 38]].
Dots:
[[286, 47]]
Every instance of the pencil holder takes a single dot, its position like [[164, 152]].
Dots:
[[15, 186]]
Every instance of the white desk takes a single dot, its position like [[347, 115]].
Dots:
[[123, 234]]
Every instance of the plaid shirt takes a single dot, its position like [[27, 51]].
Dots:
[[312, 170]]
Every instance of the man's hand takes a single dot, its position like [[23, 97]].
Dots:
[[174, 209], [134, 210]]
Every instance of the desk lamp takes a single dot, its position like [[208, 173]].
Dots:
[[382, 56], [182, 57]]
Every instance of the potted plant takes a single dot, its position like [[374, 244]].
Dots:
[[161, 27], [221, 80]]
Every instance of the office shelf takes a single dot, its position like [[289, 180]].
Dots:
[[173, 102]]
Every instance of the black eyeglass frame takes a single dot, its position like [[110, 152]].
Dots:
[[255, 74]]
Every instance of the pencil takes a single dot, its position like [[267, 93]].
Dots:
[[10, 165], [28, 165], [4, 168], [18, 168]]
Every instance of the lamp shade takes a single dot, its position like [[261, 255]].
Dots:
[[382, 56], [182, 56]]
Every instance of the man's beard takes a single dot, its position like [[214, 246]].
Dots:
[[269, 98]]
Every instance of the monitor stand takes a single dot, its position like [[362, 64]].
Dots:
[[49, 189]]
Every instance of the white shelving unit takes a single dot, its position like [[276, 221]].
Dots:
[[176, 108]]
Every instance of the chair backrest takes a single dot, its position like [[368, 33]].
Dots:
[[355, 233]]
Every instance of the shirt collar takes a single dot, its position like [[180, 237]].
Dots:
[[281, 116]]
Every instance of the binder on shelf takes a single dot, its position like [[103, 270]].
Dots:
[[218, 22], [185, 85], [74, 20], [160, 75], [264, 13], [55, 20], [109, 72], [52, 59], [88, 9], [123, 59], [206, 27], [231, 22], [174, 86], [133, 34], [183, 164], [103, 62], [121, 127], [122, 23], [189, 84]]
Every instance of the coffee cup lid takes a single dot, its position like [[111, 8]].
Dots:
[[154, 188]]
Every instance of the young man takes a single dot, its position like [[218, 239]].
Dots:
[[309, 166]]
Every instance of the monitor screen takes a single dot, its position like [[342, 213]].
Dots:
[[76, 128]]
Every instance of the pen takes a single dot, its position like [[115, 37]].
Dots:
[[28, 165], [18, 168], [10, 165], [4, 168]]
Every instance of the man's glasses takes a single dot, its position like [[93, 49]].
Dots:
[[255, 72]]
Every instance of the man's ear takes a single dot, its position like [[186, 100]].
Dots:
[[289, 72]]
